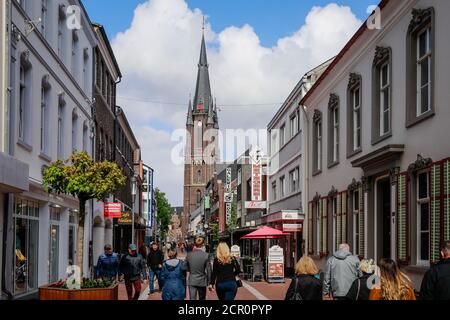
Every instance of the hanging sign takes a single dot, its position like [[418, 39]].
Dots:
[[112, 210], [125, 218]]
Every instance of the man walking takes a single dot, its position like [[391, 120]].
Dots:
[[155, 259], [132, 267], [108, 264], [340, 272], [436, 282], [199, 269]]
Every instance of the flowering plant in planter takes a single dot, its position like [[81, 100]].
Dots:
[[70, 284]]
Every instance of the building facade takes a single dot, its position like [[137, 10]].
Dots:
[[106, 75], [378, 160], [201, 151], [286, 173], [49, 117]]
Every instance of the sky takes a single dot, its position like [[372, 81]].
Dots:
[[257, 50]]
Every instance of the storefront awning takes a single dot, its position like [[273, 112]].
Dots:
[[266, 233]]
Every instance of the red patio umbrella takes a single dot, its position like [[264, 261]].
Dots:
[[265, 233]]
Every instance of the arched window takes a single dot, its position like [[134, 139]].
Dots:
[[74, 130], [199, 176], [199, 198]]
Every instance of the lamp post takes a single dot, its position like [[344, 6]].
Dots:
[[133, 196]]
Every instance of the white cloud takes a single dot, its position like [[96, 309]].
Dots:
[[158, 57]]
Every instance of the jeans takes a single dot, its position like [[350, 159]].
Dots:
[[226, 290], [193, 290], [151, 275], [137, 289]]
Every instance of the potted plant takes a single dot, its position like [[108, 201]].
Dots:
[[88, 289]]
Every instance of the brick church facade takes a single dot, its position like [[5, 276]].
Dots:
[[202, 151]]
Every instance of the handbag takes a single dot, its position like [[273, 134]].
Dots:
[[239, 283], [296, 295]]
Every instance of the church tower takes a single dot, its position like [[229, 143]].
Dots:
[[202, 151]]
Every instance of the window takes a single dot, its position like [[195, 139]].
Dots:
[[282, 135], [199, 198], [25, 88], [60, 137], [293, 124], [423, 218], [199, 176], [354, 115], [74, 131], [55, 218], [74, 60], [274, 191], [85, 70], [294, 180], [45, 112], [282, 187], [61, 32], [420, 66], [26, 244], [334, 207], [318, 226], [333, 130], [85, 136], [381, 95], [317, 142], [356, 221], [72, 237], [44, 18]]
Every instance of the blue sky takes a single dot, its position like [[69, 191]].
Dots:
[[271, 19]]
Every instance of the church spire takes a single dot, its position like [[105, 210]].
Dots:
[[202, 98], [190, 121]]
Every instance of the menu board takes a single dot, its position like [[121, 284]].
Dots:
[[236, 251], [275, 264]]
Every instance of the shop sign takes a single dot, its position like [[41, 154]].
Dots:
[[255, 205], [228, 210], [112, 210], [228, 197], [125, 218], [294, 215], [236, 251], [293, 227]]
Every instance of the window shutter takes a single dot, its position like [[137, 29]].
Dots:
[[344, 218], [435, 215], [310, 229], [402, 218], [446, 199], [338, 220], [324, 213], [361, 218]]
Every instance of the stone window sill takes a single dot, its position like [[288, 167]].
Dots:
[[410, 123], [353, 153], [45, 157], [377, 140], [24, 145]]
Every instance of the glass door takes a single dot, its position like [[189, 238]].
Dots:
[[54, 254]]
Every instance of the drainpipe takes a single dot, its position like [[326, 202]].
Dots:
[[306, 174]]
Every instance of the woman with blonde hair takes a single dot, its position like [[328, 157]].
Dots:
[[394, 284], [360, 289], [306, 285], [225, 270]]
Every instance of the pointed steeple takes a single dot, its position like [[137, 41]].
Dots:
[[202, 98], [189, 121]]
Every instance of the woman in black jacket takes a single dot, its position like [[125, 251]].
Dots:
[[360, 289], [307, 284]]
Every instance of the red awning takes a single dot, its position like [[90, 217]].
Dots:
[[266, 233]]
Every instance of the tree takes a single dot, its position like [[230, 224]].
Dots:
[[232, 223], [164, 212], [82, 177]]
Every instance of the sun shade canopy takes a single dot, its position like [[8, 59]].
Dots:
[[266, 233]]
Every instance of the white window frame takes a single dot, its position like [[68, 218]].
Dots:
[[282, 135], [74, 132], [74, 54], [85, 70], [318, 227], [22, 102], [274, 191], [334, 216], [420, 59], [335, 114], [44, 122], [319, 145], [60, 133], [385, 90], [419, 203], [282, 186]]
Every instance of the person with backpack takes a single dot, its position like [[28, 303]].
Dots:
[[173, 277], [436, 282], [360, 289], [306, 284]]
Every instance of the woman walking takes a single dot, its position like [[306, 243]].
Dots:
[[173, 277], [394, 285], [225, 270], [306, 285], [360, 288]]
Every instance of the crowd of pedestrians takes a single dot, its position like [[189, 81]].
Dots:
[[180, 269], [347, 278]]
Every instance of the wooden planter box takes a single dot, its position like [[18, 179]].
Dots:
[[48, 293]]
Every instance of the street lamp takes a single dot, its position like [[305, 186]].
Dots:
[[133, 196]]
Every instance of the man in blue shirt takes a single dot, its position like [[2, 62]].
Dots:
[[108, 264]]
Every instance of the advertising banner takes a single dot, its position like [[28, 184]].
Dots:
[[125, 219], [275, 265], [112, 210], [255, 205], [292, 227]]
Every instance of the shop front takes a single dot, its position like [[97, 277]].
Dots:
[[291, 223]]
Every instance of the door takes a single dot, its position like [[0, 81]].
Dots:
[[384, 228], [54, 254]]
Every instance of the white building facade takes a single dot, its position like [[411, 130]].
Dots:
[[49, 116], [379, 167]]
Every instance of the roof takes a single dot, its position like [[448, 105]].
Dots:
[[340, 56], [108, 45]]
